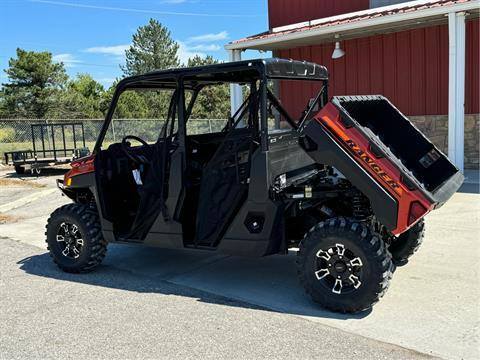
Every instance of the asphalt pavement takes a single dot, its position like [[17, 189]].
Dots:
[[153, 303]]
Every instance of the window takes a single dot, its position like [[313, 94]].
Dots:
[[211, 110], [140, 113], [295, 97]]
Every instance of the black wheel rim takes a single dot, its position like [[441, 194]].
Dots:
[[338, 269], [70, 240]]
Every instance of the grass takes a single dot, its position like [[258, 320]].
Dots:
[[17, 146], [14, 146], [24, 183]]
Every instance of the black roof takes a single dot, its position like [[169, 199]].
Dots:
[[236, 72]]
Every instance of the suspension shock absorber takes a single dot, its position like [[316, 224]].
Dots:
[[361, 209]]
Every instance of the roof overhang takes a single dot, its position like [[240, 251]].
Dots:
[[388, 19]]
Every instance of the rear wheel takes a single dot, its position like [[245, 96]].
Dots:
[[404, 246], [74, 238], [344, 265], [20, 170]]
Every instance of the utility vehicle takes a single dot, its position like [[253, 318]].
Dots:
[[349, 183]]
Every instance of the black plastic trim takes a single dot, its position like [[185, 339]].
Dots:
[[329, 152], [438, 196]]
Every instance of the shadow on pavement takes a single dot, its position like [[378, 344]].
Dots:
[[260, 283], [469, 188], [471, 184], [48, 171]]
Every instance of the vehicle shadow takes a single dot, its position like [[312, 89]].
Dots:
[[50, 171], [268, 283]]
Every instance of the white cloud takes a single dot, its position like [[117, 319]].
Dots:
[[117, 50], [205, 47], [208, 37], [185, 52], [200, 44], [68, 60]]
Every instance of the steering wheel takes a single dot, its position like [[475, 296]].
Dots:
[[137, 159]]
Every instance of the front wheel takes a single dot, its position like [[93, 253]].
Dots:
[[74, 238], [344, 265]]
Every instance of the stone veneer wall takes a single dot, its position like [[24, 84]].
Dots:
[[435, 127]]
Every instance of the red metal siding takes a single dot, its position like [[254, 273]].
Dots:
[[285, 12], [472, 73], [409, 67]]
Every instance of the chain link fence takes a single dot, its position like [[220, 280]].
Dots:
[[17, 135]]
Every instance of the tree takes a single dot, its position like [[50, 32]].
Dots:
[[85, 85], [131, 105], [200, 61], [152, 49], [4, 113], [34, 82], [81, 99], [213, 101]]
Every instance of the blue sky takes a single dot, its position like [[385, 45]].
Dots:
[[91, 35]]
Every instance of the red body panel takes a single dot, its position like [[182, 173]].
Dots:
[[285, 12], [381, 169], [81, 166], [408, 67]]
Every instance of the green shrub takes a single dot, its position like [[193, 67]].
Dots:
[[7, 135]]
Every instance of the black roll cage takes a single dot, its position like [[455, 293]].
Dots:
[[242, 72]]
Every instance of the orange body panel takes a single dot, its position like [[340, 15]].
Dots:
[[81, 166], [380, 168]]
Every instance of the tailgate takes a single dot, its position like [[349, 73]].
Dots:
[[384, 155]]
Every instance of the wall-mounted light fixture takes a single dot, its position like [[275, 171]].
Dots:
[[338, 52]]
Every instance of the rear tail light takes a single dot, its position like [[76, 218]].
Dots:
[[417, 210]]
